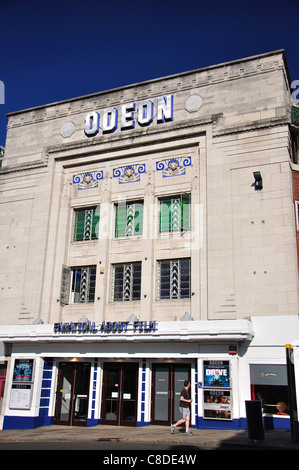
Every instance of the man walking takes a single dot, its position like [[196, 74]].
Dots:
[[185, 401]]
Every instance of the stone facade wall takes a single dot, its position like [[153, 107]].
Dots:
[[228, 122]]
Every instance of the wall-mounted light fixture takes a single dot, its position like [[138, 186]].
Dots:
[[258, 184]]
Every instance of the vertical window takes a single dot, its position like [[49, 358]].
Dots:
[[86, 224], [175, 213], [126, 282], [269, 384], [83, 281], [174, 279], [77, 285], [128, 219]]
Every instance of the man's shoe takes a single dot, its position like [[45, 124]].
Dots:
[[188, 433], [172, 429]]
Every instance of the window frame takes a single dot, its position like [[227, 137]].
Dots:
[[184, 203], [126, 231], [91, 271], [94, 233], [269, 384], [68, 281], [175, 291], [118, 288]]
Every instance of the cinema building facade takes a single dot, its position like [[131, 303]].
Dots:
[[149, 237]]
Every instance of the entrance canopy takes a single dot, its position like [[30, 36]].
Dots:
[[136, 331]]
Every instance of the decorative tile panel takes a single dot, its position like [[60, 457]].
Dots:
[[88, 180], [173, 166], [129, 173], [45, 395], [94, 390]]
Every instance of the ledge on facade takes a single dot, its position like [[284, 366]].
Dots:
[[192, 331], [101, 144], [23, 167], [251, 126]]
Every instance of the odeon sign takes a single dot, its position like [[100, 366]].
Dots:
[[143, 113]]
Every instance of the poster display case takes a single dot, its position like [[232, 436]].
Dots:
[[217, 396], [21, 390]]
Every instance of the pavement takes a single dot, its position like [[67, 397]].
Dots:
[[273, 440]]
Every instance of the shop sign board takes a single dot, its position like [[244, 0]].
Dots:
[[106, 327]]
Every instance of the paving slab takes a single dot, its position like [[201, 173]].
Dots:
[[281, 440]]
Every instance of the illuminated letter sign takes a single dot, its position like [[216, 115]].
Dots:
[[109, 123], [92, 123], [165, 108], [127, 116], [108, 120], [145, 113]]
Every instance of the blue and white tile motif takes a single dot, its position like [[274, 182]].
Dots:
[[129, 173], [173, 166], [88, 179]]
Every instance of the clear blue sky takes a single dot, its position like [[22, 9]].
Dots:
[[54, 50]]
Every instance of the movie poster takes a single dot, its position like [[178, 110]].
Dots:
[[23, 371], [217, 404], [216, 374]]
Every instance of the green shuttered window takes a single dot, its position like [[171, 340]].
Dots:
[[128, 219], [86, 224], [175, 213]]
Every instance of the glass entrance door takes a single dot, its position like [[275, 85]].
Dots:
[[120, 387], [72, 394], [162, 394], [180, 374], [167, 384]]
